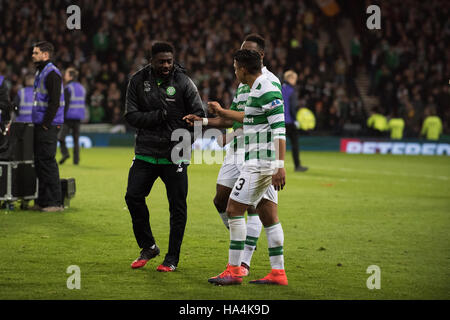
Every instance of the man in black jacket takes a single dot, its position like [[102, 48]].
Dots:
[[158, 96]]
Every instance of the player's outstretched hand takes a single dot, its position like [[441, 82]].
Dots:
[[279, 179], [214, 107], [191, 118]]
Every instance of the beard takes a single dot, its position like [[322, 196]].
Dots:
[[160, 72]]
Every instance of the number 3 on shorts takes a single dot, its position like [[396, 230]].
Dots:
[[241, 184]]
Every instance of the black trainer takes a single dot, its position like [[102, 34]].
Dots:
[[146, 254], [301, 169], [63, 159]]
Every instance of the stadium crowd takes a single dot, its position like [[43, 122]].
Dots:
[[116, 36], [409, 62]]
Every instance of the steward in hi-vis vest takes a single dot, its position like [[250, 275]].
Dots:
[[47, 116], [74, 113], [24, 100]]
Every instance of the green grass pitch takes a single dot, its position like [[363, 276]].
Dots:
[[346, 213]]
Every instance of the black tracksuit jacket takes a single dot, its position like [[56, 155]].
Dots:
[[156, 111]]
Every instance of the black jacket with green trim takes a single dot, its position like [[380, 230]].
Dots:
[[157, 110]]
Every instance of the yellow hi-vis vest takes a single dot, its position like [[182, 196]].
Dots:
[[432, 127], [306, 119], [378, 122], [396, 126]]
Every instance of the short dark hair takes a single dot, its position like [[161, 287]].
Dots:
[[161, 46], [45, 46], [29, 77], [259, 40], [73, 73], [249, 59], [432, 111]]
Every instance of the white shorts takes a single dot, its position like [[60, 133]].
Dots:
[[230, 172], [250, 188]]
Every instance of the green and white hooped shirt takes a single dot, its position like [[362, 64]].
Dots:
[[236, 152], [263, 124]]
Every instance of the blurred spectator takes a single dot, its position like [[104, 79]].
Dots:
[[290, 97], [113, 101], [24, 101], [340, 68], [74, 113], [97, 104], [443, 103], [377, 123], [356, 54], [432, 125], [396, 126]]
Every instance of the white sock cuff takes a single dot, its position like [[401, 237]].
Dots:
[[254, 219], [238, 230], [275, 235], [254, 226]]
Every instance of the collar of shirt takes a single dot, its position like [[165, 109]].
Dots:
[[41, 64], [257, 81]]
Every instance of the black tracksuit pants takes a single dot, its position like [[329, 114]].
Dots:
[[68, 126], [141, 177], [47, 171], [292, 134]]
